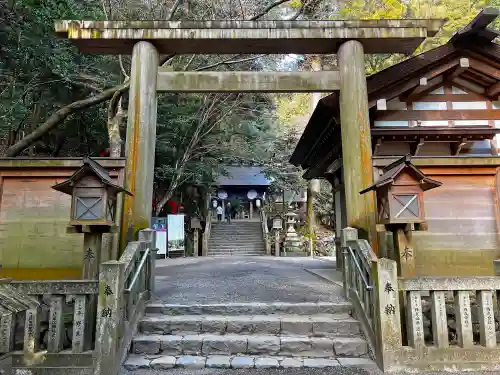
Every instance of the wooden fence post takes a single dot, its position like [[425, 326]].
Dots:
[[110, 317], [388, 317], [348, 234]]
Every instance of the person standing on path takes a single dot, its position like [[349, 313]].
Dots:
[[219, 213], [228, 212]]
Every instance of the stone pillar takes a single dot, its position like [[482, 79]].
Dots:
[[150, 236], [251, 209], [276, 242], [348, 234], [388, 328], [356, 139], [141, 140], [110, 319], [196, 240]]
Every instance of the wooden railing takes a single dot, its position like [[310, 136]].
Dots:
[[358, 262], [265, 231], [444, 323]]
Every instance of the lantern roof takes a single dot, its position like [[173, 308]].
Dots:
[[393, 170], [93, 168]]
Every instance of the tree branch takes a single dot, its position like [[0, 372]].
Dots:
[[174, 9], [268, 9], [60, 115], [229, 61]]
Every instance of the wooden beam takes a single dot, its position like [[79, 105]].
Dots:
[[432, 115], [485, 68], [416, 146], [463, 65], [324, 81], [400, 87], [493, 90], [422, 90], [456, 147]]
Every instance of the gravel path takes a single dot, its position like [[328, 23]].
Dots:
[[244, 279]]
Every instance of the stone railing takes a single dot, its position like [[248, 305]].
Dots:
[[57, 332], [358, 262], [265, 231], [206, 235], [124, 288], [443, 323]]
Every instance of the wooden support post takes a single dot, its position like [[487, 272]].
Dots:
[[313, 187], [356, 140], [92, 244], [405, 253], [141, 140]]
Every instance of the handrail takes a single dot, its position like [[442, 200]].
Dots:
[[138, 271], [360, 271]]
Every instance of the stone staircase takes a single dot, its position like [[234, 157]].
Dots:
[[248, 335], [236, 238]]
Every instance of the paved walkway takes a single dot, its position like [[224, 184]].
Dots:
[[244, 279]]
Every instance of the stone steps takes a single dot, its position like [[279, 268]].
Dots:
[[260, 345], [248, 335], [237, 238], [252, 308], [326, 325]]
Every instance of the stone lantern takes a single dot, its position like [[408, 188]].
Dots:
[[400, 208], [93, 203], [292, 240], [277, 227]]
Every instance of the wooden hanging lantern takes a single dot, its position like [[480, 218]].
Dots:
[[93, 195], [400, 193]]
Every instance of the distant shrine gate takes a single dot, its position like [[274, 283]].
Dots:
[[146, 40]]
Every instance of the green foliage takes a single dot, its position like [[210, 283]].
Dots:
[[39, 73]]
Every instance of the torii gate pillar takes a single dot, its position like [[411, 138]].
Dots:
[[356, 140], [141, 140]]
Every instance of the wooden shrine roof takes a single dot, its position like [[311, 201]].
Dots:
[[392, 171], [248, 37], [474, 41]]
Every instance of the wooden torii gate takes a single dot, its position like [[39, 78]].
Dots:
[[146, 40]]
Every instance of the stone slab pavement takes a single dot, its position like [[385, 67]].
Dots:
[[208, 280]]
